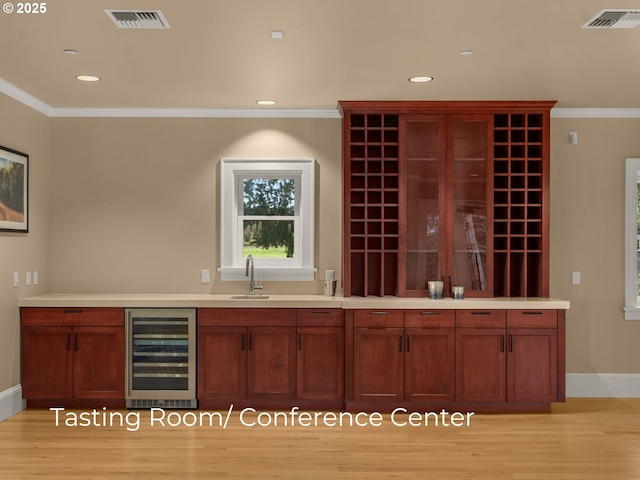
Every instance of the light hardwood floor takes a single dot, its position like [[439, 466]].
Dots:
[[582, 439]]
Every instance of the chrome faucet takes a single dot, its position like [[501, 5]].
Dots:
[[248, 272]]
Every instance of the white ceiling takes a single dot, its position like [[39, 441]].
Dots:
[[221, 55]]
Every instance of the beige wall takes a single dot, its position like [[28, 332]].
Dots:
[[587, 236], [27, 131], [134, 209], [135, 200]]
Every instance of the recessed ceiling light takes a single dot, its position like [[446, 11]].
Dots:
[[266, 102], [88, 78], [421, 79], [466, 53], [71, 51]]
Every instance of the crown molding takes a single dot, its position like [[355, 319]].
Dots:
[[61, 112], [595, 113], [195, 113], [25, 98]]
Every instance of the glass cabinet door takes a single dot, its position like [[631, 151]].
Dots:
[[468, 140], [424, 193]]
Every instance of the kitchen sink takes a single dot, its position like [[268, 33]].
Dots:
[[249, 297]]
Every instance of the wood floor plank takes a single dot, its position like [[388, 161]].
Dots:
[[585, 439]]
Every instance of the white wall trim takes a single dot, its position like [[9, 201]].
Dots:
[[195, 112], [595, 113], [603, 385], [11, 402], [25, 98]]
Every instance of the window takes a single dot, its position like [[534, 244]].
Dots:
[[266, 210], [632, 229]]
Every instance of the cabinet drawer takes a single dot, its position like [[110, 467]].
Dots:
[[320, 317], [247, 317], [73, 316], [430, 318], [378, 318], [532, 318], [481, 318]]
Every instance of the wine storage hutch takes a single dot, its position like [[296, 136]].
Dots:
[[379, 208]]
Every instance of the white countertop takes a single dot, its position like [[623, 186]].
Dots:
[[282, 301]]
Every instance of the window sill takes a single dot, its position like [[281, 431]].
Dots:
[[231, 274], [632, 313]]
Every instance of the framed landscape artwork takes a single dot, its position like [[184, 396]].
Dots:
[[14, 191]]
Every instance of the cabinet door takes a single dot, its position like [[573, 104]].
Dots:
[[430, 364], [423, 238], [480, 365], [320, 363], [532, 365], [98, 362], [378, 364], [47, 362], [271, 363], [222, 362], [470, 263]]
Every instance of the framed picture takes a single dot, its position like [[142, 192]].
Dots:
[[14, 191]]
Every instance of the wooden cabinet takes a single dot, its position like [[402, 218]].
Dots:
[[481, 360], [430, 355], [320, 354], [271, 362], [534, 356], [270, 356], [508, 356], [480, 356], [246, 354], [457, 191], [72, 354], [378, 355], [445, 206], [403, 356]]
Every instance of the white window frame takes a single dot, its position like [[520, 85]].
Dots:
[[233, 172], [632, 300]]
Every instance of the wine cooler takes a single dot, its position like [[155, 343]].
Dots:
[[161, 358]]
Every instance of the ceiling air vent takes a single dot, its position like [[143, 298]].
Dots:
[[138, 18], [612, 18]]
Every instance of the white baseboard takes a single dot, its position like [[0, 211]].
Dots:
[[603, 385], [11, 402]]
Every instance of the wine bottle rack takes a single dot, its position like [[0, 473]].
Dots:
[[520, 203], [372, 189], [371, 180]]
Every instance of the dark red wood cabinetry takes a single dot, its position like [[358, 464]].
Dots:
[[482, 360], [269, 357], [403, 356], [320, 355], [457, 191], [73, 357], [514, 356]]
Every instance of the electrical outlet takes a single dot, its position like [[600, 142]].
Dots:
[[205, 275], [16, 279], [28, 282]]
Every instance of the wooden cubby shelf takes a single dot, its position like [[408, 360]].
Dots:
[[381, 218]]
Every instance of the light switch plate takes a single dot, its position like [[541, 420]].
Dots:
[[575, 278], [205, 276], [36, 278], [16, 279]]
